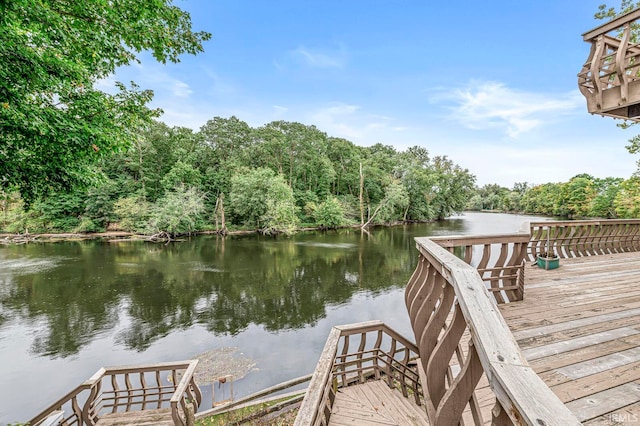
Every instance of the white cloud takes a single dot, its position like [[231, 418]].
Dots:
[[486, 105], [538, 164], [154, 76], [179, 88], [321, 59]]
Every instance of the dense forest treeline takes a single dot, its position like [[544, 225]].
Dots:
[[227, 175], [284, 175], [583, 196]]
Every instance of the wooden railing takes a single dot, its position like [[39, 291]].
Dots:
[[354, 354], [610, 78], [128, 389], [578, 238], [447, 300], [499, 259]]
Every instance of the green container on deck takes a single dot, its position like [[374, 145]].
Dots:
[[546, 263]]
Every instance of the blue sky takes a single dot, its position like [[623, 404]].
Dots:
[[490, 84]]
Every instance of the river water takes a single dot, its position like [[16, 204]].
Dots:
[[69, 308]]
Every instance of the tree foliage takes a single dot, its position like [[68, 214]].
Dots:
[[55, 123], [583, 196], [271, 178]]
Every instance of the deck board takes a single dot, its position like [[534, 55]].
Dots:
[[375, 404], [579, 327], [157, 417]]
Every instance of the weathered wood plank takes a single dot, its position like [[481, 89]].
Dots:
[[567, 325], [575, 389], [597, 365], [573, 333], [580, 342], [159, 417], [595, 405], [583, 354], [374, 403], [629, 415]]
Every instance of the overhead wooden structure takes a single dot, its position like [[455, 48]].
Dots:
[[610, 78]]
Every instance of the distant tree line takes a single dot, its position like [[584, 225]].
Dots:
[[583, 196], [228, 175]]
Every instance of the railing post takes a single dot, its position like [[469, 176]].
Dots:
[[499, 416]]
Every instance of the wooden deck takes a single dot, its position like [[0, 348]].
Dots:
[[375, 404], [579, 328]]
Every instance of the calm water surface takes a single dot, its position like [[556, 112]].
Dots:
[[67, 309]]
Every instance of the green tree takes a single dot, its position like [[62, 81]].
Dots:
[[627, 200], [329, 213], [451, 189], [577, 196], [132, 213], [262, 199], [54, 122], [178, 211], [602, 204]]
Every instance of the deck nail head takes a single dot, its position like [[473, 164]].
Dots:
[[500, 358], [541, 422]]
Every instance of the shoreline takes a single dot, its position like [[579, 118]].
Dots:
[[124, 236]]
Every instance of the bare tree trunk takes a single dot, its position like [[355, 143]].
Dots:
[[215, 212], [224, 226], [361, 197], [375, 212]]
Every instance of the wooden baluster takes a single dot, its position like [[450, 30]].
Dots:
[[587, 234], [428, 336], [403, 372], [608, 244], [425, 302], [89, 412], [345, 351], [442, 354], [143, 384], [376, 355], [468, 253], [197, 392], [535, 242], [497, 281], [77, 410], [617, 238], [596, 67], [459, 393], [634, 238], [390, 358], [564, 241], [625, 237], [419, 292], [363, 342], [116, 395], [416, 280], [127, 383], [517, 262], [159, 386], [474, 405], [499, 416], [598, 239], [621, 63]]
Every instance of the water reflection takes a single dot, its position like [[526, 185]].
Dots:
[[223, 284], [89, 304]]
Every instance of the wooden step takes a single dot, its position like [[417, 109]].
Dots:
[[161, 417]]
